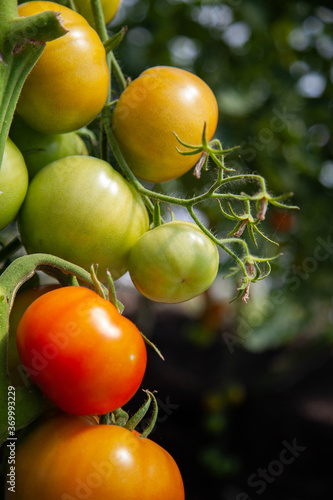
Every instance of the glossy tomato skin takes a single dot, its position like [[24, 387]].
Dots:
[[173, 262], [68, 86], [22, 301], [80, 209], [72, 457], [13, 183], [40, 149], [85, 356], [110, 9], [163, 100]]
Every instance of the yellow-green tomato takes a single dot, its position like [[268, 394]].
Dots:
[[80, 209], [110, 9], [13, 183], [160, 102], [174, 262], [40, 149], [68, 86]]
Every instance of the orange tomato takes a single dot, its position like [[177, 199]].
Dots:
[[68, 86], [163, 100], [67, 457]]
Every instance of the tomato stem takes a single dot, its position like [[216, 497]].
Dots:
[[134, 421], [216, 153], [99, 20], [140, 413], [97, 284], [10, 248], [151, 344], [154, 416], [120, 417], [157, 214], [112, 293]]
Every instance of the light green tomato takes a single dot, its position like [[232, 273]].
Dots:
[[174, 262], [40, 149], [80, 209], [13, 183]]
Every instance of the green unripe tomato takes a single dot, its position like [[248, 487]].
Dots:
[[80, 209], [110, 9], [40, 149], [13, 183], [174, 262]]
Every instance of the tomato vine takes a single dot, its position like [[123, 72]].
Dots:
[[252, 267], [248, 264], [22, 41]]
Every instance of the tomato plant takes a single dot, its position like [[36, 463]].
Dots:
[[173, 262], [83, 354], [72, 457], [110, 8], [39, 149], [13, 183], [68, 86], [80, 209], [160, 102]]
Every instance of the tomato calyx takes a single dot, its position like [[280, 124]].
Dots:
[[121, 418], [112, 43], [112, 297], [101, 291], [212, 149]]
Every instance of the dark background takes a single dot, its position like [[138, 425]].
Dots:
[[242, 382]]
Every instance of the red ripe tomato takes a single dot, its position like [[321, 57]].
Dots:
[[22, 301], [82, 353], [68, 457], [68, 85], [161, 101]]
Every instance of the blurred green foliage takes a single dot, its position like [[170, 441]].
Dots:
[[270, 67]]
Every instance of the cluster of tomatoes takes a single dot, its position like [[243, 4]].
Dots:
[[83, 354]]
